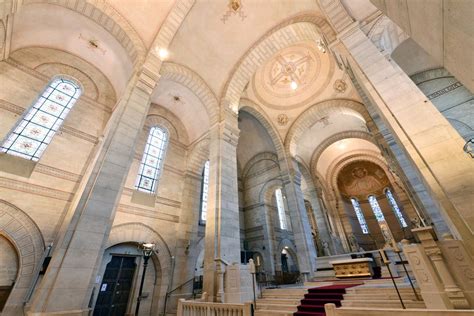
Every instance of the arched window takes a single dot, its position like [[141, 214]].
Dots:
[[34, 132], [152, 160], [396, 210], [360, 216], [376, 208], [281, 208], [204, 193]]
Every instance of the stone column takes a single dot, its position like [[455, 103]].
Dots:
[[432, 144], [66, 288], [222, 240], [300, 222], [321, 221]]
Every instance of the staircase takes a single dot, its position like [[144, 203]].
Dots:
[[281, 301], [381, 297], [309, 300]]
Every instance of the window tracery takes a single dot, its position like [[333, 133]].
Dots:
[[152, 160], [30, 138]]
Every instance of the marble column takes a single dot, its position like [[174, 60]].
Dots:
[[222, 240], [67, 286], [305, 248], [431, 144]]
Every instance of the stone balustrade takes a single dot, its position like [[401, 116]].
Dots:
[[197, 308]]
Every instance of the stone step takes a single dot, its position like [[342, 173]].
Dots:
[[263, 312], [280, 307], [373, 296], [379, 290], [277, 301], [382, 304], [289, 291]]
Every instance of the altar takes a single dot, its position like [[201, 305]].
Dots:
[[353, 268]]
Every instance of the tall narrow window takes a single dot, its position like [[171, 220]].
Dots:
[[360, 216], [33, 134], [281, 208], [376, 209], [204, 192], [395, 208], [152, 160]]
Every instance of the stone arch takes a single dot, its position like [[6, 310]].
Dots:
[[250, 107], [268, 190], [290, 248], [318, 111], [198, 155], [135, 232], [26, 237], [190, 79], [105, 15], [257, 158], [307, 26], [334, 138]]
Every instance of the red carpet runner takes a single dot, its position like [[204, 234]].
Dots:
[[313, 302]]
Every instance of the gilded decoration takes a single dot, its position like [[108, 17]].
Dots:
[[362, 178], [302, 64], [282, 119], [340, 86], [234, 7]]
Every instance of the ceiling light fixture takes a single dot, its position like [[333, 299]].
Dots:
[[163, 53], [294, 85]]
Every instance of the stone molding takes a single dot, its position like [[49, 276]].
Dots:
[[151, 213], [257, 158], [35, 189], [22, 231]]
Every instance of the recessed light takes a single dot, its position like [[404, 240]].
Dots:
[[294, 85], [163, 53]]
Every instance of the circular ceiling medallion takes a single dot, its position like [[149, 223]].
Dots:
[[293, 76]]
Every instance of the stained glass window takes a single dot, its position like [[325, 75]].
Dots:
[[152, 160], [376, 209], [360, 216], [281, 208], [204, 192], [33, 134], [395, 208]]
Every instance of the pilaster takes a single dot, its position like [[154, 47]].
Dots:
[[222, 240]]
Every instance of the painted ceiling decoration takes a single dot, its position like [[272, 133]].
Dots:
[[362, 178], [293, 77]]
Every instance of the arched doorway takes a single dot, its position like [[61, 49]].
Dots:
[[9, 264], [121, 271]]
